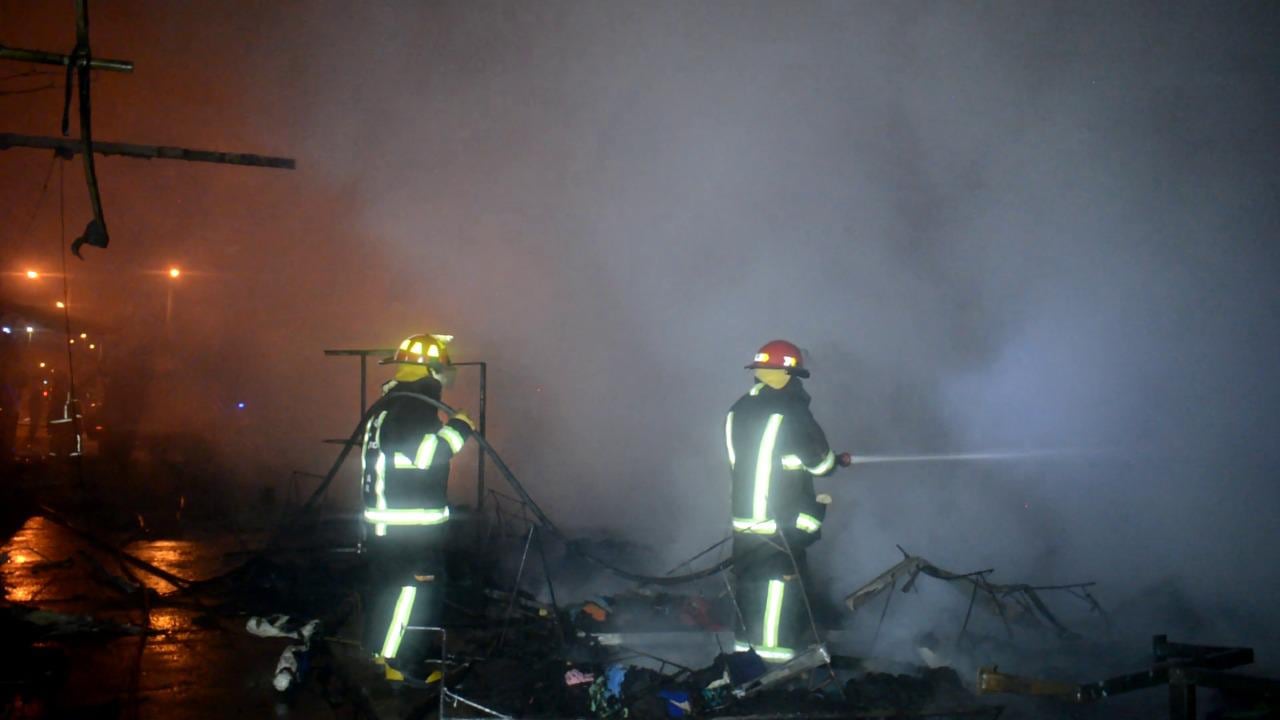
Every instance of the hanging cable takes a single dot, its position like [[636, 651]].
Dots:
[[550, 525], [70, 406], [44, 191], [543, 519]]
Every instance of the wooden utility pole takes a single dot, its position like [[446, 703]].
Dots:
[[78, 64]]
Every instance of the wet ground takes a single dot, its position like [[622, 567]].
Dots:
[[171, 653], [190, 663]]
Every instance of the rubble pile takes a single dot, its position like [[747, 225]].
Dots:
[[729, 687]]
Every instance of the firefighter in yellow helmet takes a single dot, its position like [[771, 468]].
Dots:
[[405, 474]]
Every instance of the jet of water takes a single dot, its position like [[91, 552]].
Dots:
[[962, 457]]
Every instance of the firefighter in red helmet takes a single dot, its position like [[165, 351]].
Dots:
[[775, 449]]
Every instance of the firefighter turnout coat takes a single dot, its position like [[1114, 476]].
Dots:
[[406, 457], [775, 449]]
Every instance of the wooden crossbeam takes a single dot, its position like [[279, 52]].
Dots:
[[78, 64], [71, 146], [47, 58]]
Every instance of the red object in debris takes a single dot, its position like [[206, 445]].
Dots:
[[596, 612], [697, 613]]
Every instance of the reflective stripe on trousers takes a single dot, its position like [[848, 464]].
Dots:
[[399, 621], [769, 646], [779, 654]]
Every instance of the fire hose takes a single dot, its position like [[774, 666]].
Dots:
[[844, 460], [543, 519]]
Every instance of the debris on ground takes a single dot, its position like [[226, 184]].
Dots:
[[1015, 604], [292, 665], [644, 610], [30, 624], [1181, 666]]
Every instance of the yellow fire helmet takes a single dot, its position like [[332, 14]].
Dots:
[[424, 349]]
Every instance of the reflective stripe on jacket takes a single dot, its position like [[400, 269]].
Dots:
[[405, 459], [775, 448]]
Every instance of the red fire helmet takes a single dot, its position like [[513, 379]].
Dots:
[[780, 355]]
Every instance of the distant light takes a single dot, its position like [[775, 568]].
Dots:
[[72, 341], [239, 406], [32, 275], [92, 346], [174, 272], [7, 330], [61, 304], [30, 329], [41, 364], [84, 335]]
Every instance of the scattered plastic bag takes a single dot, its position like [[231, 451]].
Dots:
[[292, 665]]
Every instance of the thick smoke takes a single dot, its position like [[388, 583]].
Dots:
[[997, 226]]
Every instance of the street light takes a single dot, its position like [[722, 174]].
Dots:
[[33, 275], [174, 272], [60, 304]]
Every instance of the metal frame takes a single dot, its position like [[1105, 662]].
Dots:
[[1181, 666], [445, 693], [364, 353], [1022, 598]]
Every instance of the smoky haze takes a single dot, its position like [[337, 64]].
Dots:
[[993, 226]]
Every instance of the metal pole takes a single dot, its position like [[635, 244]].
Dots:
[[551, 590], [48, 58], [484, 388], [973, 596], [364, 383], [72, 146], [515, 587], [887, 597]]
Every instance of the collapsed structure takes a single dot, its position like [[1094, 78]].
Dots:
[[510, 644]]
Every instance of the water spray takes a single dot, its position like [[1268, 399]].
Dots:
[[961, 457]]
